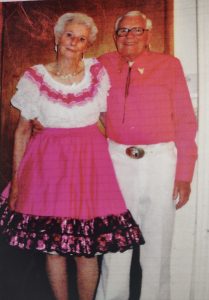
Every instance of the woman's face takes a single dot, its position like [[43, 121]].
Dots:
[[74, 40]]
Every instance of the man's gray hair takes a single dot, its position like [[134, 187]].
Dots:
[[134, 13], [79, 18]]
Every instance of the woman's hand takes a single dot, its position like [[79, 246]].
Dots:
[[13, 196]]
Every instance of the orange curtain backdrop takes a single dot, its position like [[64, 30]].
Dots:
[[27, 39]]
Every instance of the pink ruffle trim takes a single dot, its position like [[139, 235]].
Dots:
[[68, 98]]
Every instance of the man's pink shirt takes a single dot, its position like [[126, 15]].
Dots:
[[157, 109]]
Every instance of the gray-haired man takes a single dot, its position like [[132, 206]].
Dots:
[[151, 128]]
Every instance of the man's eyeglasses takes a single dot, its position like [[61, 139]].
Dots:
[[137, 31]]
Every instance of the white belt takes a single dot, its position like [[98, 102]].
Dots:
[[139, 151]]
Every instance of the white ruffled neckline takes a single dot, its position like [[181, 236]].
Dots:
[[73, 88]]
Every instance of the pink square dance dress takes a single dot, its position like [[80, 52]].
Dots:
[[69, 201]]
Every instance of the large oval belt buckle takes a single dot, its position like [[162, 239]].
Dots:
[[135, 152]]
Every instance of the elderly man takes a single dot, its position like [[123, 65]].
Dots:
[[151, 128]]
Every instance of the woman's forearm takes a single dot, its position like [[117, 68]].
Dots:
[[22, 136]]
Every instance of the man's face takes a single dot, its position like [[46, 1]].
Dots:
[[132, 45]]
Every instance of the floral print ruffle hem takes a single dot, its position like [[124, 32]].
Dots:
[[67, 236]]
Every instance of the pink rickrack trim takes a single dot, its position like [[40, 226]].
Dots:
[[87, 94]]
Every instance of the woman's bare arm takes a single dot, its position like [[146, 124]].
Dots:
[[22, 136]]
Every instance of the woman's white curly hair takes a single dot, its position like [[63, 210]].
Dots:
[[79, 18]]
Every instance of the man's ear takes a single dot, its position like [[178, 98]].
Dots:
[[114, 37], [149, 37]]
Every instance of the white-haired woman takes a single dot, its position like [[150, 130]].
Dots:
[[64, 198]]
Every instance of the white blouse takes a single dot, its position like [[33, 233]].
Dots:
[[57, 105]]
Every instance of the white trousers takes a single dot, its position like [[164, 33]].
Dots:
[[147, 186]]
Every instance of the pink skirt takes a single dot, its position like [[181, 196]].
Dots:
[[66, 181]]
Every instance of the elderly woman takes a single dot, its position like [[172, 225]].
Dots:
[[64, 198]]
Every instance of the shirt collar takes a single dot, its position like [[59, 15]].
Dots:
[[138, 62]]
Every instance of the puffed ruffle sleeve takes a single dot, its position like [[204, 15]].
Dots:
[[26, 98], [103, 89]]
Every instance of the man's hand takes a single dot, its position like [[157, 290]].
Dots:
[[37, 127], [181, 192]]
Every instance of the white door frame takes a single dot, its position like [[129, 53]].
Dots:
[[200, 276]]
